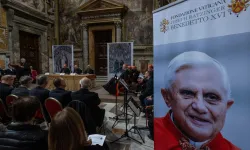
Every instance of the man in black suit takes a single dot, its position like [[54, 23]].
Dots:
[[10, 70], [23, 89], [63, 96], [41, 93], [77, 70], [65, 69], [89, 70], [149, 88], [125, 73], [25, 67], [91, 99], [6, 87]]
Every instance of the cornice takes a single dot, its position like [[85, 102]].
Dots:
[[19, 9]]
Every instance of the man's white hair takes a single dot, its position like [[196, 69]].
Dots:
[[193, 59], [85, 82]]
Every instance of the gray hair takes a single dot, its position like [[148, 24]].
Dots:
[[42, 79], [24, 80], [192, 59], [85, 82]]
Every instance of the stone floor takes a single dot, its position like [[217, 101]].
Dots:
[[108, 103], [116, 132]]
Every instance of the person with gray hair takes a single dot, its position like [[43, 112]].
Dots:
[[91, 99], [23, 89], [198, 93], [41, 93]]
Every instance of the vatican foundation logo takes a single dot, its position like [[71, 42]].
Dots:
[[238, 6], [164, 25]]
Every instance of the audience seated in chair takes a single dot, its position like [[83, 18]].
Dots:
[[23, 89], [85, 114], [6, 87], [77, 70], [21, 134], [149, 101], [41, 93], [149, 89], [91, 99], [89, 70], [67, 132], [63, 96]]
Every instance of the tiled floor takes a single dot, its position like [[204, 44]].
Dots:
[[113, 134]]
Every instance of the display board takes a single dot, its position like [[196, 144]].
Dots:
[[118, 54], [219, 29], [62, 54]]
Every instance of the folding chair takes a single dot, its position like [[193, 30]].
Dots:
[[53, 106]]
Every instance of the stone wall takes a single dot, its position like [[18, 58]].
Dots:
[[3, 38], [137, 27]]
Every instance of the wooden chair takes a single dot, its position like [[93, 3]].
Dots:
[[4, 116], [9, 100], [53, 106]]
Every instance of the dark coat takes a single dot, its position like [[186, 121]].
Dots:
[[92, 100], [78, 71], [23, 137], [10, 72], [125, 75], [63, 96], [21, 91], [89, 71], [149, 88], [42, 94], [65, 70], [5, 90]]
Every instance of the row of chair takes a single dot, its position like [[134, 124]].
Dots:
[[52, 106]]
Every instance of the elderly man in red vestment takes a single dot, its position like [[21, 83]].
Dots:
[[197, 91]]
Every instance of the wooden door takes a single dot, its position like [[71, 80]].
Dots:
[[29, 49], [101, 39]]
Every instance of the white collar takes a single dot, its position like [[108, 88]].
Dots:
[[195, 144]]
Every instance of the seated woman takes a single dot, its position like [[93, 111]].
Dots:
[[21, 134], [67, 132]]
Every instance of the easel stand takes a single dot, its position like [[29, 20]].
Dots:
[[126, 123]]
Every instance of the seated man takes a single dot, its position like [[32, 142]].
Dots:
[[91, 99], [21, 133], [89, 70], [77, 70], [23, 89], [41, 93], [149, 101], [197, 91], [6, 87], [63, 96], [149, 89], [65, 69]]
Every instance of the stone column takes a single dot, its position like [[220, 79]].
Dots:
[[10, 17], [118, 31], [85, 51]]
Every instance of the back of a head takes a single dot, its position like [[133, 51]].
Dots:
[[57, 82], [66, 131], [24, 108], [5, 78], [85, 82], [24, 80], [42, 80], [193, 59]]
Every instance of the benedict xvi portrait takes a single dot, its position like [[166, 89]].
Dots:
[[197, 91]]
